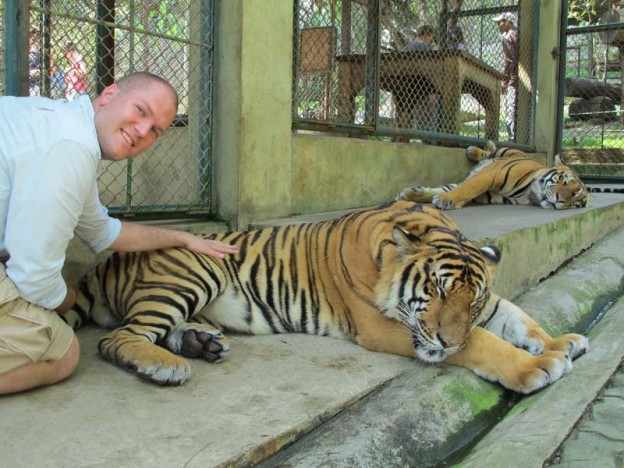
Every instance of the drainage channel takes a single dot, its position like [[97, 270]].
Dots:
[[600, 308]]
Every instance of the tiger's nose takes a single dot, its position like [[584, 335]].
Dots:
[[443, 341]]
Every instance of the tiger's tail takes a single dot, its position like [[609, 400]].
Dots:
[[82, 310], [476, 154]]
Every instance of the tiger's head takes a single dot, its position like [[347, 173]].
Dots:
[[560, 188], [437, 285]]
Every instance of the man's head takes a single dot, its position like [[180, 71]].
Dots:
[[132, 113], [505, 21], [425, 33]]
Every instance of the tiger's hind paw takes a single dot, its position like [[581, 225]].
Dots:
[[199, 341], [135, 353], [476, 154]]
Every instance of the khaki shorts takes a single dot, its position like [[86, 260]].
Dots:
[[28, 333]]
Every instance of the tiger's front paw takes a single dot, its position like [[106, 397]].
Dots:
[[199, 341], [443, 201], [416, 193], [537, 372], [572, 344]]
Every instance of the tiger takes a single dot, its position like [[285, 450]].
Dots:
[[506, 176], [397, 278]]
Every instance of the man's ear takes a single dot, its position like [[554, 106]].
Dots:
[[109, 92]]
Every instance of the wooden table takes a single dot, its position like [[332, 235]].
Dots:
[[451, 73]]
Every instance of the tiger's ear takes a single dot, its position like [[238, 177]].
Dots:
[[492, 256], [559, 160], [406, 242]]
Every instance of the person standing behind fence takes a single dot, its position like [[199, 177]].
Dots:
[[75, 73], [34, 62], [506, 26], [57, 79], [455, 39], [49, 156]]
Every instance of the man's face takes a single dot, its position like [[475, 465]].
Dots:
[[503, 25], [129, 122]]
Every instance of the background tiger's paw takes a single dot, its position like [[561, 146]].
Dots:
[[541, 371], [443, 202], [416, 193], [199, 341], [473, 153]]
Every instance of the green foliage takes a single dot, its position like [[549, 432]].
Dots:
[[581, 11]]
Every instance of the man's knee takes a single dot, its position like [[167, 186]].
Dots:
[[66, 366]]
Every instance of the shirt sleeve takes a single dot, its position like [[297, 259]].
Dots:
[[47, 200], [95, 228]]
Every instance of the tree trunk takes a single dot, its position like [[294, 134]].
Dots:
[[586, 88]]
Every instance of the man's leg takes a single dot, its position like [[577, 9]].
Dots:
[[37, 374], [36, 346], [510, 112]]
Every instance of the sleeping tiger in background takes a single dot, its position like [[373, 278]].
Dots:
[[398, 278], [506, 176]]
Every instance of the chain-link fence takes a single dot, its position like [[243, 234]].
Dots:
[[79, 47], [415, 70], [593, 124]]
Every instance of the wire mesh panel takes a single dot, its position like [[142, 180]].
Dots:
[[80, 47], [593, 122], [419, 68]]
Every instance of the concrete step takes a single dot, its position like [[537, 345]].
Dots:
[[291, 389]]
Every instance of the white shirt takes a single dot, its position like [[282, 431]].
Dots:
[[49, 154]]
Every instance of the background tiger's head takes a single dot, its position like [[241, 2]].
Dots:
[[438, 285], [561, 188]]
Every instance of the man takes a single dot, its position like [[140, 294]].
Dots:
[[49, 153], [424, 36], [34, 62], [509, 33]]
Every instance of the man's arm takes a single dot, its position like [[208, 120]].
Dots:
[[137, 237], [68, 302]]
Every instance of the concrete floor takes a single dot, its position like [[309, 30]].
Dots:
[[270, 391]]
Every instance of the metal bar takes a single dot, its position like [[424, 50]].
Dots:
[[353, 129], [592, 28], [16, 18], [112, 25], [105, 45], [373, 51], [562, 69], [205, 109], [295, 62]]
